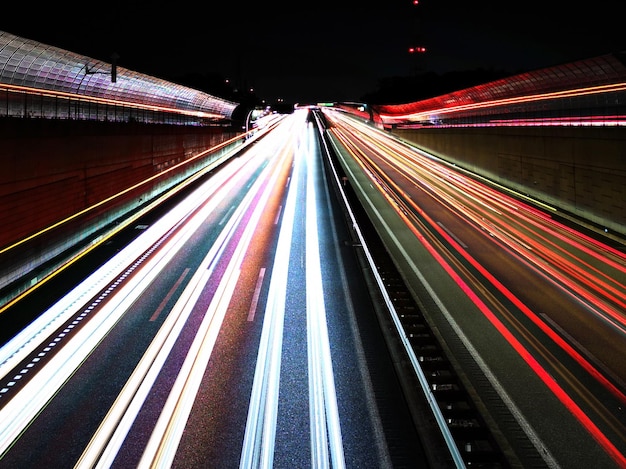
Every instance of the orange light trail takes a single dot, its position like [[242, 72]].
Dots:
[[509, 295], [612, 88], [540, 371], [543, 253]]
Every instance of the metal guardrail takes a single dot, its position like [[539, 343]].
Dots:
[[415, 363]]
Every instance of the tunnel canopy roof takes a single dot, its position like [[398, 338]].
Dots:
[[28, 63], [596, 71]]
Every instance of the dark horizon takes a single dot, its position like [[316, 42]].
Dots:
[[327, 51]]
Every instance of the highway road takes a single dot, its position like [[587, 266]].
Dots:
[[231, 330], [531, 304], [235, 323]]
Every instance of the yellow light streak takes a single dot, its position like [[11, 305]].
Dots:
[[119, 227]]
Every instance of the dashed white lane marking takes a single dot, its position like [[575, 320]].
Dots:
[[255, 298]]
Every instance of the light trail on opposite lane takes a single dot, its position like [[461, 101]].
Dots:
[[590, 273]]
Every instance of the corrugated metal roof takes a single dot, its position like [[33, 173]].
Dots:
[[24, 62]]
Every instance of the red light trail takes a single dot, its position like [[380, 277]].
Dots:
[[496, 216]]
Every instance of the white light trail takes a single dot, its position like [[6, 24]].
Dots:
[[259, 437], [166, 436], [31, 337], [324, 416], [107, 441], [109, 437], [16, 415]]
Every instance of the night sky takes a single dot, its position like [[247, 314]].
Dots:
[[322, 50]]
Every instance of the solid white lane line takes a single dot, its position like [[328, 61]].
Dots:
[[325, 425]]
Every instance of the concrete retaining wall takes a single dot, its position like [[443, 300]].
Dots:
[[581, 170], [52, 170]]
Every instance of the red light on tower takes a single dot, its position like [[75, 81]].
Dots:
[[417, 50]]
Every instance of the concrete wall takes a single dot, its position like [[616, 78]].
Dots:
[[581, 170], [52, 170]]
